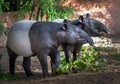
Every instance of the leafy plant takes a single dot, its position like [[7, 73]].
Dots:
[[2, 28], [90, 60], [4, 4], [53, 9], [24, 6]]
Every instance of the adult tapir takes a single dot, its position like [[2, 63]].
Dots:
[[29, 38], [90, 25]]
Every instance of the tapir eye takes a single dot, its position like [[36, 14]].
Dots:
[[98, 28], [79, 32]]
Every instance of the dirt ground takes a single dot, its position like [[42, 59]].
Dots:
[[109, 75]]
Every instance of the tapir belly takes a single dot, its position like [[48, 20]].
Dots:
[[18, 38]]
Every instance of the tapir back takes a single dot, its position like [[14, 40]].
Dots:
[[18, 39]]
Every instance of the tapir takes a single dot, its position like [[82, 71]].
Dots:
[[90, 25], [30, 38]]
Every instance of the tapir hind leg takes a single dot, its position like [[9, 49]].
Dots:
[[26, 66], [55, 60], [12, 59]]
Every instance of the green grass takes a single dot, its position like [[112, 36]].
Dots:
[[7, 76], [2, 28]]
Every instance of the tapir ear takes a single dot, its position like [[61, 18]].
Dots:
[[66, 21], [87, 15], [81, 19], [65, 27]]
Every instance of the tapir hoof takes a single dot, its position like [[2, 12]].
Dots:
[[46, 76], [30, 75]]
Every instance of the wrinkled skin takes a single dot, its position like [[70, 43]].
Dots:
[[91, 26], [41, 39]]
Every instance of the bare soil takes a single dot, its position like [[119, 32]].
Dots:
[[109, 75]]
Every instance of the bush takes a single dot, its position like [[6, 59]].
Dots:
[[90, 60], [2, 28]]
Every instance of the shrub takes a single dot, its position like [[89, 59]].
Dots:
[[90, 60], [2, 28]]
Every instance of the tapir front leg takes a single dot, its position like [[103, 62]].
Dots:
[[68, 49], [43, 61], [76, 51]]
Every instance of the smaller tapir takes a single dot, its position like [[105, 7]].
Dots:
[[29, 38], [91, 26]]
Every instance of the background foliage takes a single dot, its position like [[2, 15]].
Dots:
[[52, 9], [37, 9]]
